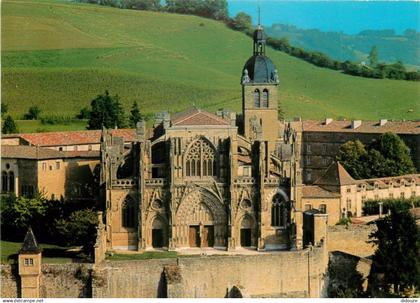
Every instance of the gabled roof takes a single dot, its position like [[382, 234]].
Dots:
[[42, 153], [370, 127], [314, 191], [195, 116], [72, 137], [336, 175], [30, 245]]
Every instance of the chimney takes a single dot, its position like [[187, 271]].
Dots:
[[356, 123], [328, 121], [382, 122]]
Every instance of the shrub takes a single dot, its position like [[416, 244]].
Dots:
[[33, 113], [371, 207]]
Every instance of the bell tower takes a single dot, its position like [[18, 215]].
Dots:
[[259, 93]]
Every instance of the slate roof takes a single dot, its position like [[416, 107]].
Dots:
[[314, 191], [42, 153], [72, 137], [30, 245], [195, 116], [398, 127], [335, 175]]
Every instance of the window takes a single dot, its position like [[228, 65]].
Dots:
[[11, 181], [308, 207], [265, 98], [57, 165], [128, 213], [89, 147], [4, 181], [29, 262], [349, 189], [348, 204], [376, 197], [278, 211], [308, 177], [308, 160], [60, 148], [247, 171], [391, 195], [44, 166], [51, 167], [402, 195], [257, 98], [200, 160], [308, 148], [323, 208]]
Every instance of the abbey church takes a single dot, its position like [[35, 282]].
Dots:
[[198, 179]]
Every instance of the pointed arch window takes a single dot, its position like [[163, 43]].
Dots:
[[4, 181], [200, 160], [278, 211], [265, 98], [11, 181], [257, 102], [128, 213]]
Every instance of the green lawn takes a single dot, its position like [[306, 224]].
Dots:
[[143, 256], [59, 56], [51, 253]]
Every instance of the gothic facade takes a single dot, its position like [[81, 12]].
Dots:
[[198, 179]]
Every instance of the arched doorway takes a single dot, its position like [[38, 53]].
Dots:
[[159, 233], [200, 221], [247, 225]]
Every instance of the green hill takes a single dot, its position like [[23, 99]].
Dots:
[[59, 56]]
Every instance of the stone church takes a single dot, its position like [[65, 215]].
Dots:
[[198, 179]]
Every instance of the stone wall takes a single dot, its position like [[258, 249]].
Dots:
[[351, 239], [65, 281], [282, 274], [9, 281]]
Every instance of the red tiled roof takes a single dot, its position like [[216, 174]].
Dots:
[[42, 153], [335, 175], [196, 116], [398, 127], [313, 191], [73, 137]]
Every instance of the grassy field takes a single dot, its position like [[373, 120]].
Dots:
[[59, 56], [51, 253]]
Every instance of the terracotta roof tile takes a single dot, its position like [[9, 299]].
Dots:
[[196, 116], [335, 175], [313, 191], [399, 127], [72, 137], [42, 153]]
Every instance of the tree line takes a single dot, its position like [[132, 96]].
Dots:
[[218, 10]]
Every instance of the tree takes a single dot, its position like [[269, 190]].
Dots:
[[387, 157], [135, 115], [106, 111], [397, 155], [18, 213], [84, 113], [79, 228], [4, 109], [9, 126], [351, 155], [241, 22], [373, 56], [395, 264], [150, 5], [33, 113]]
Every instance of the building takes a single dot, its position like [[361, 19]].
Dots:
[[198, 179], [26, 170]]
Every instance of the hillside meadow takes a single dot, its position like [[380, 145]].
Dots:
[[60, 55]]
